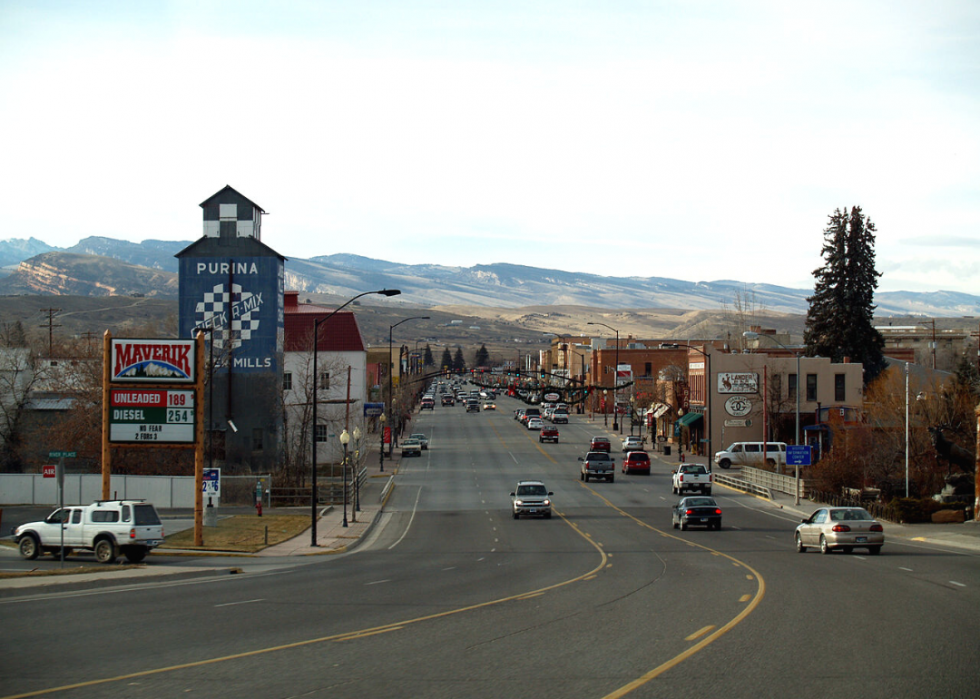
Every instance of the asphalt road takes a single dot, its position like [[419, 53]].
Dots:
[[451, 597]]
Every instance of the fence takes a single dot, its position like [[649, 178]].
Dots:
[[742, 485], [329, 492], [773, 481], [876, 509], [166, 492]]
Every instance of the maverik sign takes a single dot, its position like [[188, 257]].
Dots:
[[152, 361]]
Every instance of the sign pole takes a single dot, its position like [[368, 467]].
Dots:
[[199, 442], [106, 374]]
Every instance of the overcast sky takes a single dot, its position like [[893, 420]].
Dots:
[[691, 140]]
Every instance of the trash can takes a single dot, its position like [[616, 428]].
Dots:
[[666, 450]]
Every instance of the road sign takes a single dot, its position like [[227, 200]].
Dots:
[[49, 470], [62, 454], [212, 483], [798, 455], [373, 409], [159, 416]]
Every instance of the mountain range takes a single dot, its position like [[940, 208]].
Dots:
[[99, 266]]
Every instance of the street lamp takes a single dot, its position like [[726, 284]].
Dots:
[[391, 395], [316, 387], [344, 439], [382, 420], [357, 480], [605, 407], [616, 424], [751, 335]]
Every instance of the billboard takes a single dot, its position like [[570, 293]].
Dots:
[[738, 382], [240, 302]]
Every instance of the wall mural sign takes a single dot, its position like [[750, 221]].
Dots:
[[738, 382], [738, 406]]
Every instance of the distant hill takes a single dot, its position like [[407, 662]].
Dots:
[[498, 285]]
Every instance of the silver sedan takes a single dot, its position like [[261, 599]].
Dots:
[[844, 528]]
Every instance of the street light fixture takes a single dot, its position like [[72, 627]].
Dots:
[[751, 335], [345, 439], [617, 425], [391, 395], [316, 388]]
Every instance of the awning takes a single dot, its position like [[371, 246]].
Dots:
[[688, 419]]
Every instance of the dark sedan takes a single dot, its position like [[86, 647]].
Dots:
[[700, 511]]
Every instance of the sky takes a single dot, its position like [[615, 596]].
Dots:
[[690, 140]]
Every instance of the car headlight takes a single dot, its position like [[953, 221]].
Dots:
[[518, 502], [547, 502]]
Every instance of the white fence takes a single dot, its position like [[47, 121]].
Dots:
[[166, 492], [773, 481]]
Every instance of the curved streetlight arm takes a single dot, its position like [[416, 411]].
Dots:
[[317, 322]]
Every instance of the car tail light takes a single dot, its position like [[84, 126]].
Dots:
[[717, 511], [877, 528], [711, 477], [681, 479], [841, 528], [689, 512], [132, 533]]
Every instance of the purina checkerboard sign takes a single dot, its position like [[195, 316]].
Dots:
[[238, 299], [152, 361]]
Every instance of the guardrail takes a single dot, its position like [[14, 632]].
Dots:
[[743, 485], [773, 481]]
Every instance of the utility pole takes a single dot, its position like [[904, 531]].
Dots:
[[51, 325]]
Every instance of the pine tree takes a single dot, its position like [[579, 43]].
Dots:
[[446, 363], [427, 359], [459, 364], [482, 357], [840, 320]]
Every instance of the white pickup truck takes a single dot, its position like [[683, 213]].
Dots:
[[691, 477], [106, 527]]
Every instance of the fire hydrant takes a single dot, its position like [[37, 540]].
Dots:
[[682, 457], [258, 507]]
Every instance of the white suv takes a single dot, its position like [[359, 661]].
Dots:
[[531, 498], [106, 527]]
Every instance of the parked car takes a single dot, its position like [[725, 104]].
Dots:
[[423, 440], [598, 464], [108, 528], [534, 423], [531, 498], [844, 528], [696, 510], [632, 443], [750, 454], [600, 444], [411, 447], [548, 434], [636, 462]]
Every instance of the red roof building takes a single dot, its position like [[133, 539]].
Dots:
[[338, 334]]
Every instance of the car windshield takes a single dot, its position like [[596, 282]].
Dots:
[[526, 490], [849, 515], [146, 514]]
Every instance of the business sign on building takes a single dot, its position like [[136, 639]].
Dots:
[[624, 374], [738, 382], [145, 416], [738, 406], [239, 302], [152, 361]]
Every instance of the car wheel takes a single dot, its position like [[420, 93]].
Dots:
[[29, 547], [847, 549], [708, 491], [683, 525], [612, 479], [586, 478], [674, 523], [874, 550], [800, 548], [134, 554], [824, 548], [516, 516], [717, 526], [105, 551], [547, 515], [581, 476], [725, 463]]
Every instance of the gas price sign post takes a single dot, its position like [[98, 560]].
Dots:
[[153, 396]]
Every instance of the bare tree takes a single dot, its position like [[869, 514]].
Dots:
[[21, 370], [746, 310]]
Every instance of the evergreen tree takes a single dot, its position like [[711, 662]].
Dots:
[[446, 363], [840, 320], [459, 364], [427, 359], [482, 357], [966, 376]]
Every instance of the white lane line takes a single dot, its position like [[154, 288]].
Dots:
[[514, 458], [411, 519], [232, 604], [450, 568], [734, 527], [376, 582], [953, 582], [860, 558], [481, 558], [908, 569]]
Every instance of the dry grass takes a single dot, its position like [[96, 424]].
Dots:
[[242, 533]]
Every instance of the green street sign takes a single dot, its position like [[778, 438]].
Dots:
[[62, 454]]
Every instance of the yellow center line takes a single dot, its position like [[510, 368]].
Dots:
[[699, 633], [355, 636]]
